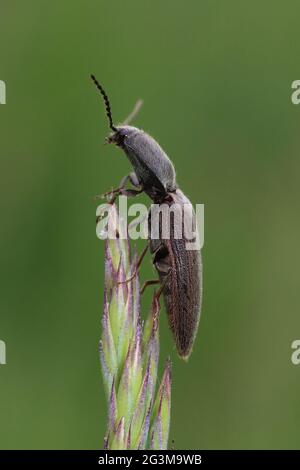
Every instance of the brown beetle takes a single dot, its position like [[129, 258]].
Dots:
[[179, 269]]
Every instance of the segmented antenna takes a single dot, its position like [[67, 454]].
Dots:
[[106, 102]]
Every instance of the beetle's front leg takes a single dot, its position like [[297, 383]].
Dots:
[[114, 193]]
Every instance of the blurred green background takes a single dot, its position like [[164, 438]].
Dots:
[[216, 82]]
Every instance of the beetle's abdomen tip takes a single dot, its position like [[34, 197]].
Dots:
[[185, 356]]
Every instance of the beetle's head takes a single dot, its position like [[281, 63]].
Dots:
[[121, 134]]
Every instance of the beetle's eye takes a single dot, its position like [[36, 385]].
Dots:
[[119, 138], [122, 136], [122, 133]]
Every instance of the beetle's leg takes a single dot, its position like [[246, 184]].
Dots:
[[121, 188], [134, 179], [160, 252], [162, 284], [150, 282], [131, 177], [156, 305], [125, 192], [113, 191], [137, 266], [128, 192]]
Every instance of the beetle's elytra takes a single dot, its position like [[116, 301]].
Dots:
[[179, 269]]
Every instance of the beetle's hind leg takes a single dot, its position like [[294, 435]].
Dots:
[[156, 296]]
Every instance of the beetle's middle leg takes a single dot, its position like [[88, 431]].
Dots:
[[137, 266], [150, 282], [159, 254]]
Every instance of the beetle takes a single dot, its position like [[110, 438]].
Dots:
[[179, 269]]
